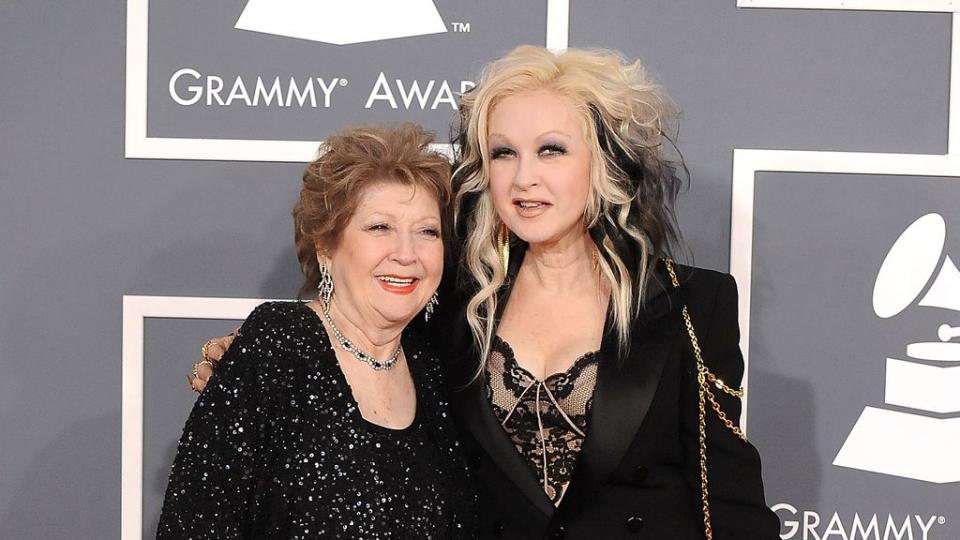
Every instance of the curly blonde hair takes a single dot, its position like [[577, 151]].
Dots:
[[634, 179], [350, 162]]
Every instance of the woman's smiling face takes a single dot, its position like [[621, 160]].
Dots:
[[389, 258], [539, 166]]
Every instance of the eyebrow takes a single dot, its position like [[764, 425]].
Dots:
[[388, 215], [540, 136]]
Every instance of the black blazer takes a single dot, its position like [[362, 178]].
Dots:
[[638, 475]]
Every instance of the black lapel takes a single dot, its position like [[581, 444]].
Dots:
[[486, 430], [473, 408], [625, 389]]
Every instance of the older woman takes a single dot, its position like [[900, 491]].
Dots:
[[597, 381], [327, 419]]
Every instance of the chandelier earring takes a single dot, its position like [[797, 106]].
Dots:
[[325, 287], [431, 305]]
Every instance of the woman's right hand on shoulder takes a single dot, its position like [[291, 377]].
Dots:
[[211, 352]]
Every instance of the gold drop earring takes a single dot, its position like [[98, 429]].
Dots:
[[503, 246]]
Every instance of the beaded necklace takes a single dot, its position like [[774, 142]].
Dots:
[[348, 346]]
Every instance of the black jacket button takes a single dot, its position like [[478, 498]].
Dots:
[[640, 473], [497, 529], [559, 532], [634, 524]]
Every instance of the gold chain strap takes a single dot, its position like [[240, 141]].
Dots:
[[704, 394]]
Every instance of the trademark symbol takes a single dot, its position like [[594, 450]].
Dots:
[[343, 82], [460, 27], [941, 520]]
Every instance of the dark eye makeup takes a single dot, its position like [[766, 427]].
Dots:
[[553, 149], [549, 149]]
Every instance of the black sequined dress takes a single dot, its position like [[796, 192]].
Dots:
[[275, 447]]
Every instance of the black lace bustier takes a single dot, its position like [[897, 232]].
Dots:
[[546, 420]]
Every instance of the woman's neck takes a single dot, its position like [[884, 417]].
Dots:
[[564, 265], [378, 342]]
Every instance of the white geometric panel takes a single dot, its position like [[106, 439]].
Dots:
[[136, 309], [748, 162], [856, 5], [924, 448], [922, 386], [138, 144], [339, 22]]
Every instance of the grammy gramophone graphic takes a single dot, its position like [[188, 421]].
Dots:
[[918, 436], [342, 21]]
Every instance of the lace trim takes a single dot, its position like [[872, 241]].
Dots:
[[545, 419]]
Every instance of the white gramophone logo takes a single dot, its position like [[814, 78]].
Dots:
[[342, 21], [923, 444]]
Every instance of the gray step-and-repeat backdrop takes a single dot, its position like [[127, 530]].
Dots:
[[151, 152]]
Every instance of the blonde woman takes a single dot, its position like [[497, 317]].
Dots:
[[582, 398], [596, 381]]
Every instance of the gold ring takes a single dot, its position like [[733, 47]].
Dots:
[[191, 379], [205, 349]]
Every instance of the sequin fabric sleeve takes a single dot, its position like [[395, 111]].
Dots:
[[212, 487]]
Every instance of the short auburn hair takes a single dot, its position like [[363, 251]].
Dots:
[[351, 161]]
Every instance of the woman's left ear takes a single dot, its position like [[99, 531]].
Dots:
[[322, 255]]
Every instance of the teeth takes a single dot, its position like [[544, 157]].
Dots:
[[395, 281], [524, 204]]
